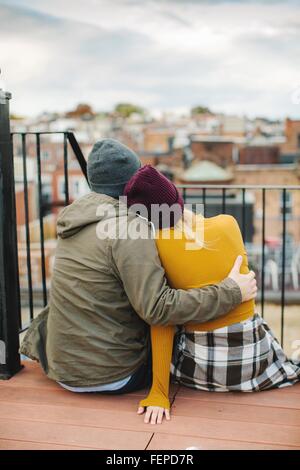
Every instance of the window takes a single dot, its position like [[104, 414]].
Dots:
[[47, 192], [76, 188], [45, 155], [61, 188]]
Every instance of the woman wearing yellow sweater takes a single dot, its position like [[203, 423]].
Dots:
[[236, 352]]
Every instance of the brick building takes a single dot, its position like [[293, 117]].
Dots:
[[221, 150], [259, 154], [19, 190], [290, 149]]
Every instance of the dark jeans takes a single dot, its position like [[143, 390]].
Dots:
[[141, 378]]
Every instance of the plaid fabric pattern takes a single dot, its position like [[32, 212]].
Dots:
[[243, 357]]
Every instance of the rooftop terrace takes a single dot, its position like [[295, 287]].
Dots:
[[36, 413]]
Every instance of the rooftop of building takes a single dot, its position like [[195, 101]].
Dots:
[[206, 171]]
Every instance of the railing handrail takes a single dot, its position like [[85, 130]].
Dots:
[[78, 154], [38, 132], [236, 186], [72, 141]]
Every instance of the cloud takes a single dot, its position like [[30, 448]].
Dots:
[[234, 56], [51, 63]]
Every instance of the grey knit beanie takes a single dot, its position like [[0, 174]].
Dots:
[[110, 165]]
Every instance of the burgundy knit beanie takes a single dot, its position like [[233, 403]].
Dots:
[[150, 187]]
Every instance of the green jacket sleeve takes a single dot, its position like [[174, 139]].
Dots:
[[137, 265]]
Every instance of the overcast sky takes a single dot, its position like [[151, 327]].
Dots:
[[233, 56]]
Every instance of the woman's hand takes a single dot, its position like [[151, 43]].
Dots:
[[154, 414]]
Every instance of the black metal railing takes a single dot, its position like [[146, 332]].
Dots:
[[246, 218], [9, 279], [68, 140], [231, 199]]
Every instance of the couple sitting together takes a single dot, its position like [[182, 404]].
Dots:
[[136, 296]]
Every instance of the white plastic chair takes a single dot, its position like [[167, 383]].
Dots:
[[272, 274], [295, 268]]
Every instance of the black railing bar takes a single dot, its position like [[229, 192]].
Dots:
[[243, 212], [184, 195], [27, 230], [204, 200], [234, 186], [274, 217], [38, 132], [41, 221], [19, 311], [283, 263], [223, 200], [194, 195], [78, 154], [24, 328], [263, 254], [66, 175]]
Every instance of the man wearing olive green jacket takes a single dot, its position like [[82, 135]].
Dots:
[[108, 286]]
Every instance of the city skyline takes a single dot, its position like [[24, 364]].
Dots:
[[236, 57]]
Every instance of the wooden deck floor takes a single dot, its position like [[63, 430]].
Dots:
[[36, 413]]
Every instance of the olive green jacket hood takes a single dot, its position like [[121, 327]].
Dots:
[[106, 289], [88, 210]]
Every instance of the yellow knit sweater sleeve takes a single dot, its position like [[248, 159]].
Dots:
[[162, 345]]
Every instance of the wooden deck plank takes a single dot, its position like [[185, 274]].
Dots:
[[236, 412], [106, 414], [110, 419], [130, 422], [233, 430], [35, 412], [32, 376], [68, 399], [6, 444], [294, 389], [80, 436], [275, 398], [164, 441]]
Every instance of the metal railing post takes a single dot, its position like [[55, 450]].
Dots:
[[9, 275]]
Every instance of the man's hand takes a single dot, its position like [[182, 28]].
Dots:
[[154, 414], [246, 282]]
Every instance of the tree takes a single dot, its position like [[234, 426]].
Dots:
[[16, 117], [126, 109], [81, 110], [200, 110]]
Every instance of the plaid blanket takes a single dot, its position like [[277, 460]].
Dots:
[[242, 357]]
